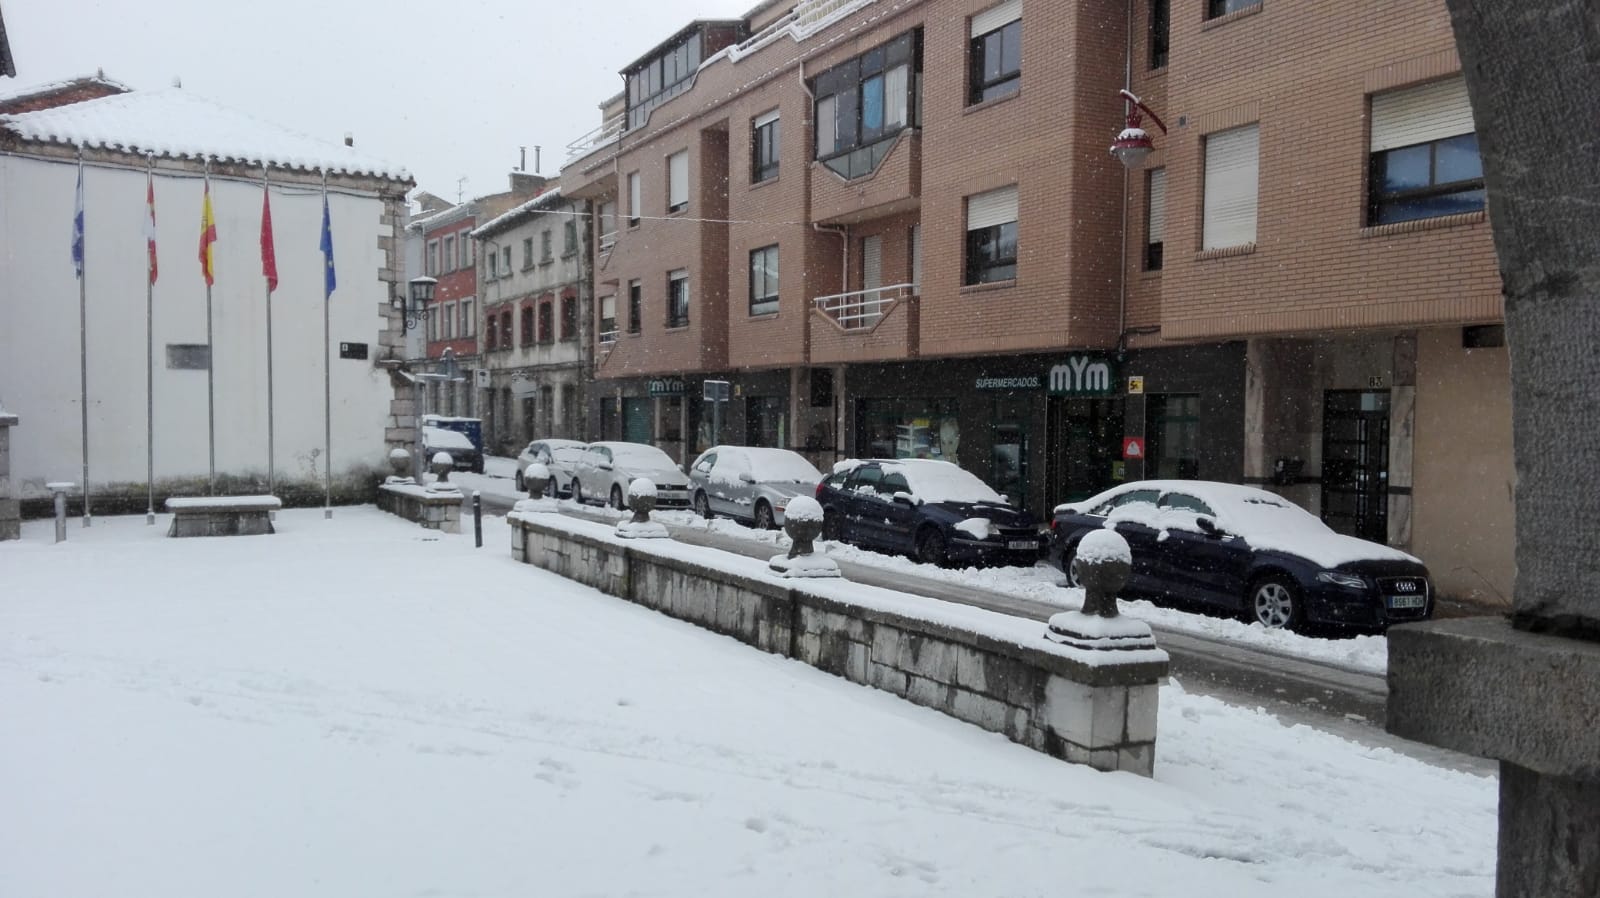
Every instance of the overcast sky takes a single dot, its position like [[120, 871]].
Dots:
[[448, 89]]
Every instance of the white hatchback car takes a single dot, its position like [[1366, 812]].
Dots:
[[605, 471], [560, 456], [750, 483]]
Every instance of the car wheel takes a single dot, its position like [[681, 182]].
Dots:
[[551, 490], [1274, 602], [477, 466], [616, 498], [1068, 556], [702, 505], [931, 547], [764, 517], [831, 528], [577, 491], [521, 488]]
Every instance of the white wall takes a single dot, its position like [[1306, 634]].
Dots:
[[39, 343]]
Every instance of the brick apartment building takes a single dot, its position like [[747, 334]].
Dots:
[[895, 228]]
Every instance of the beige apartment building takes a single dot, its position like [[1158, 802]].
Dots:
[[894, 228]]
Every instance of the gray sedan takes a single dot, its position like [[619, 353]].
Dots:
[[749, 483]]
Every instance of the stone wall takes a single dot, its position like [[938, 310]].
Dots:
[[433, 510], [984, 668], [10, 511]]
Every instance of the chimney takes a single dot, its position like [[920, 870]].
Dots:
[[349, 139], [527, 185], [523, 165]]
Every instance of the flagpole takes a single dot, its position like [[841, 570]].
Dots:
[[272, 481], [83, 345], [150, 354], [327, 360], [211, 352]]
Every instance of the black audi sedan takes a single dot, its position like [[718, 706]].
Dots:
[[931, 510], [1247, 551]]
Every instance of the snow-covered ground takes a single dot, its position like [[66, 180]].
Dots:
[[357, 707]]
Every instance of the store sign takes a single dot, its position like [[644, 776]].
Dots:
[[1135, 385], [666, 386], [1082, 375], [1019, 382], [1132, 448]]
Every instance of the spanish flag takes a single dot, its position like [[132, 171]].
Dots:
[[208, 235]]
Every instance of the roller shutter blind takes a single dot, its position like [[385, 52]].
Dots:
[[996, 17], [678, 179], [1157, 225], [1421, 114], [1232, 179], [985, 210]]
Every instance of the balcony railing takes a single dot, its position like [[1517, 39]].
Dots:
[[861, 309], [608, 336], [605, 134]]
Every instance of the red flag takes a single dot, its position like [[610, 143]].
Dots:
[[269, 256], [150, 222], [208, 235]]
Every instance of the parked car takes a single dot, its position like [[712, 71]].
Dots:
[[931, 510], [749, 483], [471, 428], [466, 457], [1248, 551], [606, 469], [560, 456]]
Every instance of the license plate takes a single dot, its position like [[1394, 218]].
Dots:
[[1022, 544], [1407, 601]]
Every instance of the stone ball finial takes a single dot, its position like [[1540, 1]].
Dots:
[[1102, 564], [642, 499], [802, 520], [442, 464], [536, 477], [400, 461]]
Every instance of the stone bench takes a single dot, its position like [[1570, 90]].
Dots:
[[222, 515], [433, 508]]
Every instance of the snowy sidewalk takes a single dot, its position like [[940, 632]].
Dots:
[[347, 709]]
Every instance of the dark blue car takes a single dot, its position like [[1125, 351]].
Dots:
[[931, 510], [1250, 552]]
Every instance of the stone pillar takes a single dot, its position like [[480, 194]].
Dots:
[[1402, 427], [10, 508], [1527, 691]]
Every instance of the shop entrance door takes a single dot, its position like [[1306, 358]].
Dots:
[[1083, 448], [1355, 463], [636, 420], [1009, 473]]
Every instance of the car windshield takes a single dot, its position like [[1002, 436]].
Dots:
[[568, 454], [937, 481], [439, 438], [641, 457]]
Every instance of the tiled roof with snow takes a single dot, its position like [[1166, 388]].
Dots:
[[179, 124], [542, 201], [34, 90]]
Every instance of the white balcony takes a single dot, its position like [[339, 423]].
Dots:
[[861, 309]]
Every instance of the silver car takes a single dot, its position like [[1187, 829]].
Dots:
[[560, 456], [606, 469], [749, 483]]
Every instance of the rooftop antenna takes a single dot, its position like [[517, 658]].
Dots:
[[460, 183], [177, 80]]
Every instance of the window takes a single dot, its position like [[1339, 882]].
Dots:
[[527, 253], [544, 247], [448, 259], [547, 322], [1172, 436], [992, 236], [188, 356], [764, 280], [678, 298], [995, 53], [608, 319], [1424, 160], [493, 264], [465, 245], [1217, 8], [469, 322], [569, 238], [1155, 217], [505, 262], [916, 255], [863, 103], [608, 224], [677, 180], [431, 261], [660, 78], [505, 329], [569, 318], [764, 147], [447, 322], [433, 324], [635, 307], [491, 332], [633, 199], [1230, 188], [1160, 27], [527, 326]]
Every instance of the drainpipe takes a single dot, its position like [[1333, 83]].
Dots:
[[1122, 274]]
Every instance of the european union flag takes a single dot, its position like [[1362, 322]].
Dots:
[[328, 279], [77, 229]]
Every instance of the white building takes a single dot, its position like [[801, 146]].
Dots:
[[175, 133]]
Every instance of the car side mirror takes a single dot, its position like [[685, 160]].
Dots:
[[747, 477], [905, 498], [1208, 526], [605, 466]]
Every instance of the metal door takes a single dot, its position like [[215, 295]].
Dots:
[[1355, 463]]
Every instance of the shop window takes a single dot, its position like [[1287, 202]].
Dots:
[[907, 428], [1172, 436]]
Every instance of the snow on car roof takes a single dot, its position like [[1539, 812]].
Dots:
[[439, 438], [769, 465], [636, 452], [1267, 520], [940, 481]]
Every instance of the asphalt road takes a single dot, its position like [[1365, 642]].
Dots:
[[1348, 702]]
